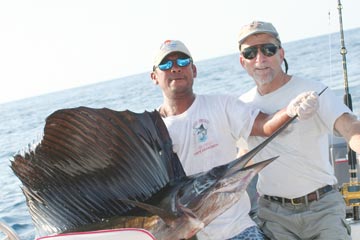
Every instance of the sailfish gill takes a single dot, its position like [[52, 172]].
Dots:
[[104, 169]]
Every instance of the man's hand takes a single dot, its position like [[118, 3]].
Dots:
[[304, 105]]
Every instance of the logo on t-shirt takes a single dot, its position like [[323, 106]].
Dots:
[[201, 133], [200, 130], [204, 141]]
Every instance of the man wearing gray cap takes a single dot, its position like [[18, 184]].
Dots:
[[204, 130], [297, 195]]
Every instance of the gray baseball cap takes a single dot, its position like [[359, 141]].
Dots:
[[257, 27]]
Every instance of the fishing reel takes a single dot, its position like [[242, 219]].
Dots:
[[351, 194], [345, 165]]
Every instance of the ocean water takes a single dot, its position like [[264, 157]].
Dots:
[[22, 121]]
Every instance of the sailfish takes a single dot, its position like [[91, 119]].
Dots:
[[104, 169]]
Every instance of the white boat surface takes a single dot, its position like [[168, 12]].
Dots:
[[107, 234], [125, 234], [355, 229]]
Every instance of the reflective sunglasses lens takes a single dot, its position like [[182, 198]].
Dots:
[[269, 50], [249, 53], [183, 62], [166, 66]]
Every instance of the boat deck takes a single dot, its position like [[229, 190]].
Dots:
[[355, 229]]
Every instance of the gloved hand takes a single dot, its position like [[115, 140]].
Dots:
[[304, 105]]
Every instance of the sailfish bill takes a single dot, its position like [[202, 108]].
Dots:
[[104, 169]]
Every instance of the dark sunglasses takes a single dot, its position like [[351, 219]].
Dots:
[[268, 49], [168, 64]]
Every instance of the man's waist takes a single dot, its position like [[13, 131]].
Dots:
[[313, 196]]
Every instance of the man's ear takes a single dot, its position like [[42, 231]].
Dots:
[[153, 76], [194, 69], [282, 53], [241, 60]]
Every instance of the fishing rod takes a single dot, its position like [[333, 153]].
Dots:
[[351, 191]]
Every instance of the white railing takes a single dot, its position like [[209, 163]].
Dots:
[[8, 231]]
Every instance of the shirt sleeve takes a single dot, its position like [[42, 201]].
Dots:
[[241, 117], [331, 108]]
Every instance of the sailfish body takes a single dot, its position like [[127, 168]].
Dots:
[[102, 169]]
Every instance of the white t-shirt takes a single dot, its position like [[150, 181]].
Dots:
[[304, 164], [204, 137]]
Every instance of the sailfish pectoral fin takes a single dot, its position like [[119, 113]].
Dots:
[[171, 219], [166, 216]]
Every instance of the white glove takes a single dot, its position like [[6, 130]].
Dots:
[[304, 105]]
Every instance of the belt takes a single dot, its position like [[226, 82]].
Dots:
[[313, 196]]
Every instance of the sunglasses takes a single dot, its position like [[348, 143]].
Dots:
[[168, 64], [268, 49]]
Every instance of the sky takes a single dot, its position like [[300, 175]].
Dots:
[[52, 45]]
